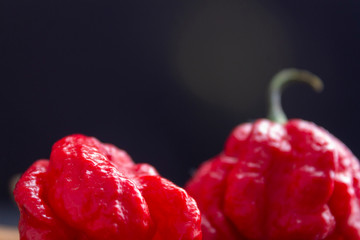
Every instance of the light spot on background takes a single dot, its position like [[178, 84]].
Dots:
[[227, 51]]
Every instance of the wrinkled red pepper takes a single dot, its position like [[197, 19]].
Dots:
[[284, 181], [89, 190]]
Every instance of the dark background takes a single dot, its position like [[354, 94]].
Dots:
[[167, 81]]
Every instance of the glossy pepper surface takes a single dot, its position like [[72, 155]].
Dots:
[[288, 180], [90, 190]]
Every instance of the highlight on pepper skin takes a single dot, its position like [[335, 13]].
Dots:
[[89, 190]]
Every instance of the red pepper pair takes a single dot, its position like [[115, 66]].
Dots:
[[90, 190], [275, 180]]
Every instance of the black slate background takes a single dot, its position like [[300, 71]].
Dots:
[[111, 69]]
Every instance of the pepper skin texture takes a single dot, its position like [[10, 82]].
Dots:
[[279, 181], [90, 190]]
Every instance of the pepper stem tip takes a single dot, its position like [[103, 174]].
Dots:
[[278, 83]]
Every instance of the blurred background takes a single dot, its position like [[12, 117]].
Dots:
[[166, 80]]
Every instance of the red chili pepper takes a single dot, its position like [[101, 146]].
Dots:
[[89, 190], [280, 180]]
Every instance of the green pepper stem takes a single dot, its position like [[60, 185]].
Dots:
[[277, 84]]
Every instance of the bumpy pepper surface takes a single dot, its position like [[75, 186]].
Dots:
[[90, 190], [290, 180]]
